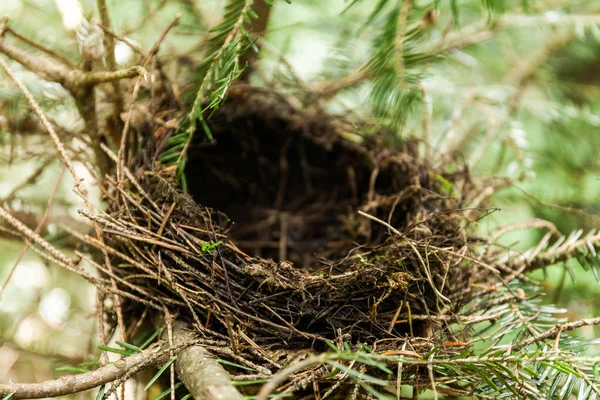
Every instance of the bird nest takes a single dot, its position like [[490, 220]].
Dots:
[[298, 229]]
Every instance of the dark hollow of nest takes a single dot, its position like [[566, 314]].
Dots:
[[292, 188], [280, 189]]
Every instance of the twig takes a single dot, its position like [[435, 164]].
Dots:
[[71, 79], [38, 46], [109, 46], [327, 90], [533, 224], [552, 332], [284, 374], [79, 189], [560, 254], [256, 28], [123, 39], [36, 238], [587, 379], [400, 39], [123, 139], [382, 222], [29, 181], [37, 231], [94, 78], [424, 264], [36, 108]]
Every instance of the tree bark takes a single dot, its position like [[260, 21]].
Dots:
[[201, 374]]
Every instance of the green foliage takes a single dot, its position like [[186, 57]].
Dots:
[[129, 346], [115, 350], [150, 338], [207, 247], [168, 391], [101, 392], [160, 372], [215, 76], [394, 66], [536, 372], [249, 382], [573, 251], [232, 364], [89, 364], [72, 370]]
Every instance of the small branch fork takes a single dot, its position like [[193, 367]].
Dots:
[[79, 83]]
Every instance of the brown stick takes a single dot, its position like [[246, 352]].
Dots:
[[257, 30], [558, 329], [109, 46]]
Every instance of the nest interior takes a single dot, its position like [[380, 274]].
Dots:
[[291, 187], [270, 241]]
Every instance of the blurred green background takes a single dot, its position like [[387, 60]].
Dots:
[[547, 144]]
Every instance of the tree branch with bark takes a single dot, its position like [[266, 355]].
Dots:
[[80, 84], [204, 377]]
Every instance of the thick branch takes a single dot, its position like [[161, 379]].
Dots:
[[40, 66], [70, 384], [93, 78], [202, 375], [71, 79]]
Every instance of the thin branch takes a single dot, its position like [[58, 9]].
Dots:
[[552, 332], [38, 46], [109, 46], [36, 238], [532, 224], [256, 28], [40, 66], [79, 83], [118, 104], [152, 52], [132, 45], [31, 179], [285, 373], [327, 90], [59, 145], [563, 253], [37, 231], [484, 29], [122, 140]]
